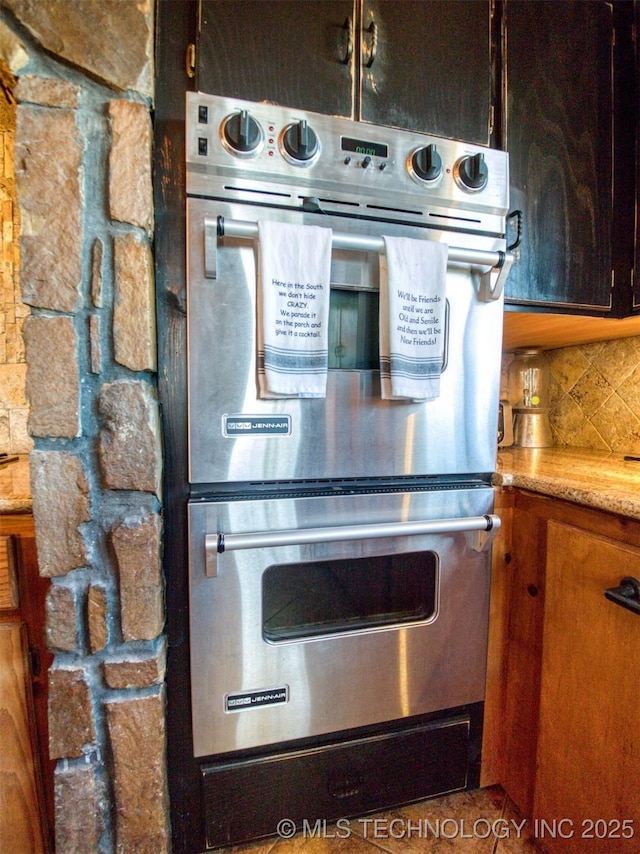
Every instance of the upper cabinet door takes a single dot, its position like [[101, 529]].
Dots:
[[292, 53], [423, 65], [559, 128], [632, 95], [427, 66]]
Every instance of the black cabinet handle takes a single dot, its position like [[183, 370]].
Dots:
[[627, 594], [518, 216], [348, 27], [374, 44]]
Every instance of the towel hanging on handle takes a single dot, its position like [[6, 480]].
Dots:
[[294, 275], [412, 304]]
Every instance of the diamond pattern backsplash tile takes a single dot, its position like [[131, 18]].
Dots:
[[594, 395]]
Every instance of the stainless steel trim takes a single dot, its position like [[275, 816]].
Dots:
[[218, 543], [210, 249], [338, 177], [498, 262], [558, 304]]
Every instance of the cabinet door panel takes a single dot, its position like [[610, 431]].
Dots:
[[21, 826], [524, 651], [559, 136], [635, 88], [286, 52], [432, 68], [589, 738]]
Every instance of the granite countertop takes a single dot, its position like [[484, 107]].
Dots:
[[599, 479], [15, 487]]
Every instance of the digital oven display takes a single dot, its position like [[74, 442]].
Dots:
[[362, 146]]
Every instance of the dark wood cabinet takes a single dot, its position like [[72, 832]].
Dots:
[[296, 54], [424, 66], [630, 91], [552, 81], [432, 70], [559, 134]]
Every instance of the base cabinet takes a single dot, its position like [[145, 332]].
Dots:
[[26, 772], [21, 824], [588, 773], [572, 680], [524, 639]]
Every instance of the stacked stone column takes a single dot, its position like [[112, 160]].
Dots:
[[83, 157]]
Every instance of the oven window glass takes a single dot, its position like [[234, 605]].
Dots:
[[305, 600], [354, 330]]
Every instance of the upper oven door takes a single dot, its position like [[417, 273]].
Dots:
[[352, 432]]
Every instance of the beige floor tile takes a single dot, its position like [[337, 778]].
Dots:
[[262, 846], [337, 841], [483, 821], [520, 840], [464, 822]]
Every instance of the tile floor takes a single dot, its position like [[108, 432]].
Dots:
[[484, 821]]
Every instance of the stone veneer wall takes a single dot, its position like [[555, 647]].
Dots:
[[594, 395], [84, 86], [14, 438]]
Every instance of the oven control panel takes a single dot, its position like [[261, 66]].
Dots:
[[235, 145]]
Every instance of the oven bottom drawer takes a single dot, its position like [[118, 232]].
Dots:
[[246, 799]]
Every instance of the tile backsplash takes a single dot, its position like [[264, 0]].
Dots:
[[595, 395]]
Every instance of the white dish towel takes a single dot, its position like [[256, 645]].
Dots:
[[412, 313], [294, 275]]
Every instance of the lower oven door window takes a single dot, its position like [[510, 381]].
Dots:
[[318, 598]]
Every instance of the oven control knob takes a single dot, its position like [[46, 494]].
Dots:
[[300, 142], [471, 172], [426, 163], [242, 133]]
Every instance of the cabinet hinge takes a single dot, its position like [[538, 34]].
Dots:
[[190, 61], [492, 115]]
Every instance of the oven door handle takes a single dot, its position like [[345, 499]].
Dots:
[[480, 530], [493, 266]]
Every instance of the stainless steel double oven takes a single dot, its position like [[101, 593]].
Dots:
[[339, 546]]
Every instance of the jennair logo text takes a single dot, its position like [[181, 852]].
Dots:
[[242, 425], [255, 699]]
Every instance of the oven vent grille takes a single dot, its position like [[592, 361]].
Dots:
[[258, 191], [342, 486]]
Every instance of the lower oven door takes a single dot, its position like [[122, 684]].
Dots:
[[363, 624]]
